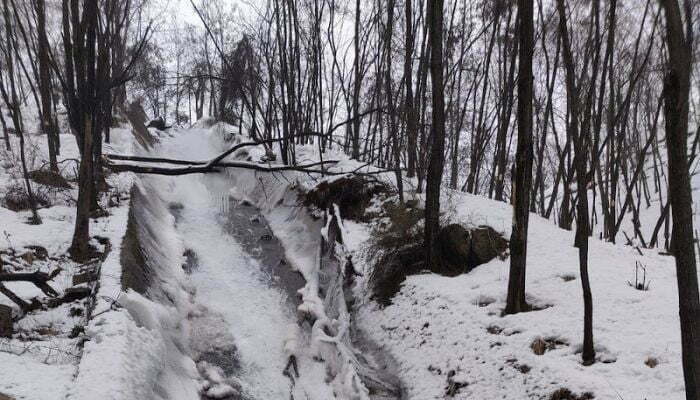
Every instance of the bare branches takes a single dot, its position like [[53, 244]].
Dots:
[[145, 165]]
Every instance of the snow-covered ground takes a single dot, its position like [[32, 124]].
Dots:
[[441, 331], [41, 361], [440, 327]]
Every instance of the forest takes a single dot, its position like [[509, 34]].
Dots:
[[349, 199]]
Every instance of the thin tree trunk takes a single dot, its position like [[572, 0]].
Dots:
[[580, 157], [676, 108], [515, 301], [45, 87], [411, 123]]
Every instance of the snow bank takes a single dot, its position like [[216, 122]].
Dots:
[[138, 346]]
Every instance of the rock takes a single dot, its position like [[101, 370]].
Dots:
[[5, 322], [487, 244], [462, 249], [538, 346], [191, 261], [157, 123], [6, 397], [455, 245], [395, 266]]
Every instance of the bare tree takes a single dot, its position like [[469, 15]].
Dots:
[[47, 116], [12, 101], [515, 301], [434, 16], [580, 140], [679, 37]]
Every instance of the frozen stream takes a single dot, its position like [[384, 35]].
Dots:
[[246, 289]]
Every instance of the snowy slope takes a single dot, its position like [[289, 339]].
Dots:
[[437, 324], [44, 368]]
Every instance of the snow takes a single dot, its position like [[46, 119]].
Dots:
[[438, 324], [440, 330], [230, 286], [44, 368], [26, 378], [138, 345]]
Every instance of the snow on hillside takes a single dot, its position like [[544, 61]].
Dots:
[[446, 335], [40, 362], [444, 329]]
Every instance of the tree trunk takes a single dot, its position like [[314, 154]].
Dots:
[[437, 148], [676, 107], [393, 132], [47, 118], [357, 86], [580, 165], [411, 127], [80, 247], [523, 163]]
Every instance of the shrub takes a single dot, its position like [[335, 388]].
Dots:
[[16, 198]]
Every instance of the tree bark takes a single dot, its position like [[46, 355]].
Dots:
[[437, 148], [411, 123], [676, 108], [580, 165], [515, 301], [47, 119]]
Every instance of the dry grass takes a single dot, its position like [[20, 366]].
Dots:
[[566, 394]]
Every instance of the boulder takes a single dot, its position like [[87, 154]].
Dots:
[[487, 244], [158, 123], [392, 269], [455, 249], [461, 250]]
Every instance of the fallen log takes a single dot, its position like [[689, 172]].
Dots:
[[38, 278]]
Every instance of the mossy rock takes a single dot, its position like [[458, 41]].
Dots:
[[455, 250], [392, 269], [487, 244], [461, 250]]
